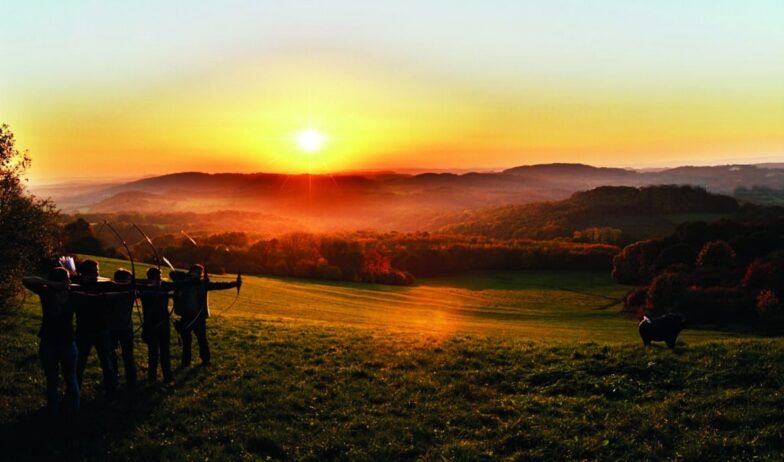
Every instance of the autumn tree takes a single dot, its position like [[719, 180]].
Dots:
[[27, 229], [716, 254], [79, 237]]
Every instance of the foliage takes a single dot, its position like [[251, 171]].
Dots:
[[718, 304], [666, 293], [596, 215], [768, 305], [716, 254], [387, 258], [636, 300], [79, 237], [635, 263], [27, 230], [759, 275], [735, 261], [676, 256]]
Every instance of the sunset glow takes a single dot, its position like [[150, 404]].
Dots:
[[617, 84], [310, 140]]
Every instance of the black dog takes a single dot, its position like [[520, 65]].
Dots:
[[662, 329]]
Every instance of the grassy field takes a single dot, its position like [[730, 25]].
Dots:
[[543, 305], [534, 366]]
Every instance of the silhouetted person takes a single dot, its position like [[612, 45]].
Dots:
[[155, 330], [57, 348], [121, 329], [192, 305], [92, 321]]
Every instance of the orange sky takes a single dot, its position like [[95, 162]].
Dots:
[[238, 108]]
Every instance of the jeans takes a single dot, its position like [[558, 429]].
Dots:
[[56, 355], [198, 327], [100, 340], [124, 338], [158, 339]]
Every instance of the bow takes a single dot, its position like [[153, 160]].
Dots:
[[236, 296], [206, 280], [149, 241], [158, 264], [133, 268]]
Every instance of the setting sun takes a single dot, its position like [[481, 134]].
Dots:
[[310, 140]]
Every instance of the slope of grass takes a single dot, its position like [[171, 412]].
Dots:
[[541, 305], [288, 390], [301, 386]]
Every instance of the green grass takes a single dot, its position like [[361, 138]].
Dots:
[[539, 305], [304, 371]]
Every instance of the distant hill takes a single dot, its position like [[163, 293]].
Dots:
[[389, 200], [625, 213], [580, 171], [135, 201]]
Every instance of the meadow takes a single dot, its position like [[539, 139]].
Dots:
[[487, 366]]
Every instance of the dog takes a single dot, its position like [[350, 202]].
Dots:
[[662, 329]]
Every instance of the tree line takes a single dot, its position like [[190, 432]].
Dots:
[[362, 256], [725, 271]]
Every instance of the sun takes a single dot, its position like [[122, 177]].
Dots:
[[310, 140]]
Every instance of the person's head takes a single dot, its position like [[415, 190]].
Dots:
[[59, 274], [122, 275], [153, 274], [196, 271], [89, 270]]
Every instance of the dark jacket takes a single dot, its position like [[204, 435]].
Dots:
[[155, 303], [93, 311], [57, 316], [191, 296]]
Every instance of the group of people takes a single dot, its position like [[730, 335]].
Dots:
[[103, 310]]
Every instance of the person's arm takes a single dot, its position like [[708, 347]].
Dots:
[[108, 296], [222, 285], [158, 291], [111, 296], [38, 284], [181, 284]]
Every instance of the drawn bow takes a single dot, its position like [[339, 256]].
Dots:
[[133, 269]]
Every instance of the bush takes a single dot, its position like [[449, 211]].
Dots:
[[331, 273], [304, 269], [78, 237], [635, 263], [635, 300], [678, 255], [759, 275], [716, 254], [719, 304], [768, 305], [666, 293], [711, 276]]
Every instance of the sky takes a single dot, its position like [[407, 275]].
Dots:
[[100, 89]]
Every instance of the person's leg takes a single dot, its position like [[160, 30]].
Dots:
[[68, 363], [114, 343], [152, 356], [129, 363], [48, 354], [186, 345], [103, 347], [200, 329], [84, 344], [164, 338]]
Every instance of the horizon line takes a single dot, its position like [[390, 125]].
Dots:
[[413, 171]]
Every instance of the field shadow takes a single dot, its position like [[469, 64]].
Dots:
[[743, 329], [37, 436]]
